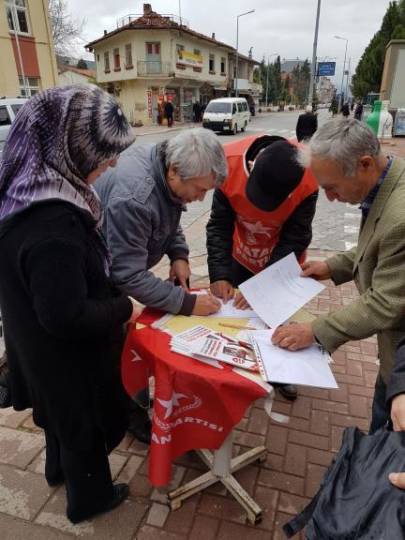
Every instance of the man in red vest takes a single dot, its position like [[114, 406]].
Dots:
[[261, 213]]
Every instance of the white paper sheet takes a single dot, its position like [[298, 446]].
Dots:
[[229, 310], [279, 291], [309, 367]]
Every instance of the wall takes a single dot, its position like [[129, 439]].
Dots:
[[398, 84], [38, 53], [70, 77]]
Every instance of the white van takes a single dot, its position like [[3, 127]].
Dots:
[[227, 115], [9, 107]]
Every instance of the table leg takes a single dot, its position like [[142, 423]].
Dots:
[[221, 467]]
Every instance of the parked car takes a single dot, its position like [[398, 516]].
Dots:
[[227, 115], [9, 107]]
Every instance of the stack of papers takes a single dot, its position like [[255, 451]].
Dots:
[[279, 291], [309, 367], [205, 345]]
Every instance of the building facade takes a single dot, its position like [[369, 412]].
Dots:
[[326, 90], [73, 75], [27, 58], [393, 78], [153, 58]]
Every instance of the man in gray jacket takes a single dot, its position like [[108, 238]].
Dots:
[[143, 198]]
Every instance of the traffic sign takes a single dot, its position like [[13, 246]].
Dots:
[[326, 69]]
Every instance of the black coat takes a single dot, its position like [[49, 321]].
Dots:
[[397, 378], [295, 236], [62, 324], [307, 124]]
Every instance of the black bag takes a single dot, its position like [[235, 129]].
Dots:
[[356, 499]]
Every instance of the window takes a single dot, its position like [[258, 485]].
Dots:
[[179, 51], [240, 107], [16, 108], [31, 87], [117, 60], [128, 56], [223, 66], [219, 107], [153, 49], [197, 52], [98, 58], [234, 109], [212, 63], [107, 62], [4, 117], [17, 16]]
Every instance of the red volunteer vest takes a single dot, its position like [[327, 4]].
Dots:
[[257, 232]]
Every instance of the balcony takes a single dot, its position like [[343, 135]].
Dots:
[[148, 68]]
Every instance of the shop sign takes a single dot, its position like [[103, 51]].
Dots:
[[189, 58]]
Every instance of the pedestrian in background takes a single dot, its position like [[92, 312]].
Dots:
[[62, 317], [307, 124], [169, 110], [345, 110], [358, 112]]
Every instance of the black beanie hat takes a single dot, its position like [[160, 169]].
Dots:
[[276, 173]]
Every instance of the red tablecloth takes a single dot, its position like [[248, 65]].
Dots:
[[195, 405]]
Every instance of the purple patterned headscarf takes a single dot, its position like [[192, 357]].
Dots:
[[58, 138]]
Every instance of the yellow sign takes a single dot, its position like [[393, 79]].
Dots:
[[189, 58]]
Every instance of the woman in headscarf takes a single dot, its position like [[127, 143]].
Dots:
[[62, 317]]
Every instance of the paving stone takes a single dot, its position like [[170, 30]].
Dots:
[[17, 529], [204, 528], [22, 493], [267, 499], [121, 523], [11, 418], [19, 448], [152, 533], [233, 531], [180, 521], [157, 515], [282, 481], [295, 460], [292, 504]]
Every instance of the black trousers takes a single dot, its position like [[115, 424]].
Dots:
[[87, 475]]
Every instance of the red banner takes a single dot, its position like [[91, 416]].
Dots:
[[195, 405]]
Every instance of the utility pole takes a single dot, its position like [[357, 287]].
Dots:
[[313, 64], [237, 49], [348, 77]]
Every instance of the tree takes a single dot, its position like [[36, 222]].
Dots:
[[368, 75], [82, 64], [300, 76], [65, 29]]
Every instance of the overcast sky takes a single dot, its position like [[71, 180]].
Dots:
[[277, 26]]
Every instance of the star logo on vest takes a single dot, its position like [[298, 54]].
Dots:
[[136, 357], [253, 229], [171, 403]]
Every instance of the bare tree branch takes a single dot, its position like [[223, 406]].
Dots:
[[65, 29]]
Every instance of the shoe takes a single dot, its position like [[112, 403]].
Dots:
[[288, 391], [56, 481], [141, 430], [120, 493]]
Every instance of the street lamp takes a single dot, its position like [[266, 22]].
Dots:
[[343, 74], [313, 64], [267, 78], [237, 45]]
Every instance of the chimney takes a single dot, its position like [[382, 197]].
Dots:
[[213, 35], [147, 9], [105, 32]]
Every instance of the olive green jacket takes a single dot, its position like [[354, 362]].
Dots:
[[377, 266]]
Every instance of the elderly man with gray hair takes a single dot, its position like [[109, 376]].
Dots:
[[347, 161], [143, 198]]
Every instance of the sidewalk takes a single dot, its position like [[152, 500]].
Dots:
[[299, 452]]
